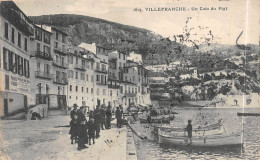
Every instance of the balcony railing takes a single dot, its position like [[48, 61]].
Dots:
[[101, 71], [80, 67], [61, 64], [45, 75], [60, 81], [113, 86], [145, 84], [130, 94], [43, 55], [60, 51], [101, 83]]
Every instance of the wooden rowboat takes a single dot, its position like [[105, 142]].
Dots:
[[202, 141]]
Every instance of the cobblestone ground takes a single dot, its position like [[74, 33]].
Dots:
[[46, 139]]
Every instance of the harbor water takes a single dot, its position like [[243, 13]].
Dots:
[[151, 149]]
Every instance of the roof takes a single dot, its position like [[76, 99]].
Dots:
[[56, 29], [37, 26], [10, 11]]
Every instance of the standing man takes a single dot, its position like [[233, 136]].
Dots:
[[97, 121], [103, 116], [189, 130], [118, 117], [108, 117], [74, 111], [81, 128]]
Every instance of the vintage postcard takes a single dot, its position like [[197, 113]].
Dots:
[[129, 80]]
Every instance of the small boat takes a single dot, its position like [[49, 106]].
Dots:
[[203, 141], [155, 120], [248, 114], [208, 136]]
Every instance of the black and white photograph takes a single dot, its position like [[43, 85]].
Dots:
[[129, 80]]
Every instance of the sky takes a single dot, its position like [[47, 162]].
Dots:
[[225, 25]]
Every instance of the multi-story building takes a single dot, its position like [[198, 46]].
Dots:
[[116, 83], [127, 79], [101, 77], [137, 74], [81, 77], [59, 68], [41, 66], [15, 81]]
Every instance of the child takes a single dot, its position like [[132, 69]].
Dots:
[[189, 130], [91, 130], [73, 128]]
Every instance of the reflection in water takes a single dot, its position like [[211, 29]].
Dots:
[[251, 148]]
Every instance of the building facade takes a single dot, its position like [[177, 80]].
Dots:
[[15, 80]]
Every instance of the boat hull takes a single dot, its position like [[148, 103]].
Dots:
[[164, 120], [209, 141]]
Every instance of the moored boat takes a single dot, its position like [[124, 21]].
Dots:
[[203, 141]]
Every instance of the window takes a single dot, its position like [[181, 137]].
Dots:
[[111, 93], [57, 36], [97, 91], [38, 66], [19, 39], [92, 65], [13, 36], [91, 90], [76, 89], [70, 74], [98, 78], [87, 90], [124, 56], [38, 47], [38, 35], [70, 59], [25, 44], [82, 89], [77, 60], [20, 65], [92, 78], [47, 50], [39, 86], [63, 38], [56, 44], [58, 90], [82, 76], [98, 66], [6, 82], [119, 56], [46, 38], [87, 77], [70, 87], [6, 30], [77, 75]]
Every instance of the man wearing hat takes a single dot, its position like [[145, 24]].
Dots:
[[97, 121], [74, 111], [81, 128]]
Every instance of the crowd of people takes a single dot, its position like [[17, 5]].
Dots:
[[85, 131]]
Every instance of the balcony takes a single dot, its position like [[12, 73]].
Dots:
[[43, 55], [101, 83], [60, 51], [113, 86], [44, 75], [144, 84], [130, 94], [80, 67], [144, 92], [59, 63], [101, 71], [60, 81]]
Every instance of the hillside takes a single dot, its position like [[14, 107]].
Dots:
[[104, 33]]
